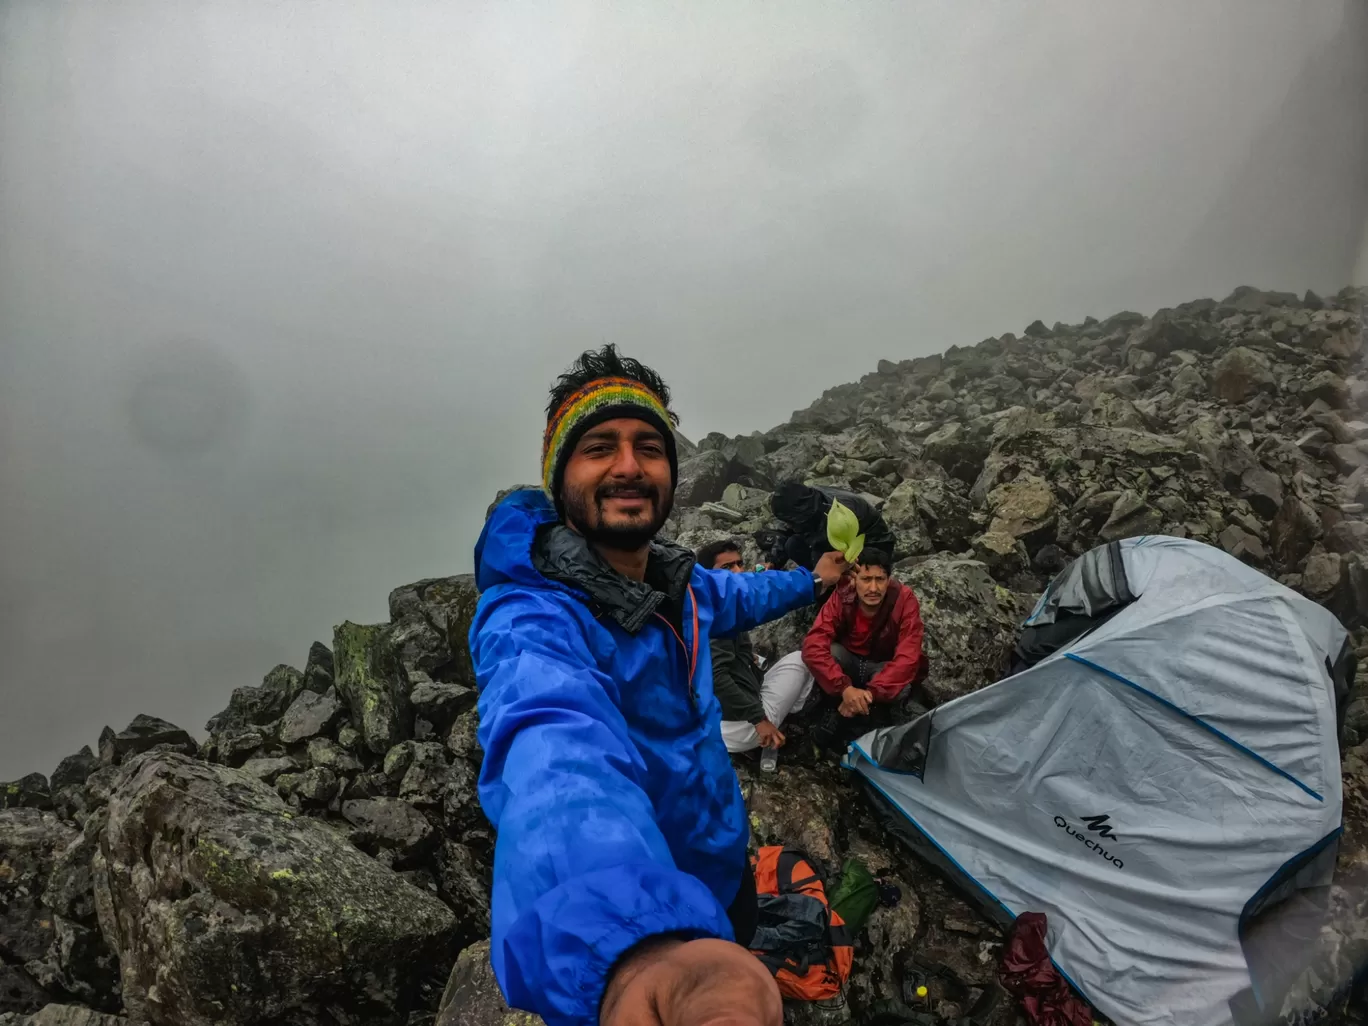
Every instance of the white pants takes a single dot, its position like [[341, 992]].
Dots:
[[785, 687]]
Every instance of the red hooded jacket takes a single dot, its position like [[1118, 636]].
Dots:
[[897, 639]]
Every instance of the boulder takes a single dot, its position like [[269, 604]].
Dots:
[[257, 705], [957, 451], [74, 770], [391, 824], [268, 768], [702, 478], [1294, 530], [1241, 373], [326, 753], [472, 996], [447, 605], [971, 624], [228, 909], [19, 994], [1321, 576], [318, 668], [142, 735], [793, 806], [1264, 490], [464, 885], [79, 963], [1023, 508], [31, 841], [440, 704], [30, 792], [373, 684], [1130, 517], [71, 1015], [309, 715]]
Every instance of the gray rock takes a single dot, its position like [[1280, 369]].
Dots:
[[472, 996], [1130, 517], [427, 774], [30, 843], [462, 740], [142, 735], [30, 792], [72, 1015], [1293, 532], [440, 704], [328, 754], [1322, 574], [318, 668], [1264, 491], [971, 624], [229, 909], [702, 478], [389, 823], [19, 993], [1348, 536], [463, 885], [1329, 388], [74, 769], [268, 768], [446, 604], [316, 786], [373, 684], [257, 705], [371, 784], [1241, 373], [310, 715], [1243, 545]]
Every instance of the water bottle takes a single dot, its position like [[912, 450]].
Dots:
[[769, 760]]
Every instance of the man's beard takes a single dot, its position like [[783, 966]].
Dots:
[[625, 537]]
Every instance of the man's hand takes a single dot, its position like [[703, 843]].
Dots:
[[830, 568], [769, 735], [855, 701], [691, 983]]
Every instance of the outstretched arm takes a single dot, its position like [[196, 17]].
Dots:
[[742, 601]]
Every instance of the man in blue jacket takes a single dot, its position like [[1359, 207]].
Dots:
[[621, 882]]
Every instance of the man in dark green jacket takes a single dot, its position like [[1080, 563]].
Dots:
[[754, 704]]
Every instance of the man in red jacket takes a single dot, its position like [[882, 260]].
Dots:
[[865, 649]]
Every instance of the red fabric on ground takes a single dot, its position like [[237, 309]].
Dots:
[[1027, 972]]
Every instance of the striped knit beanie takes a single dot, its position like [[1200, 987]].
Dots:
[[593, 403]]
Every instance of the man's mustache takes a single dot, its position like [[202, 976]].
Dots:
[[627, 491]]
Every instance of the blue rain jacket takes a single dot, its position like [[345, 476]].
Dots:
[[618, 812]]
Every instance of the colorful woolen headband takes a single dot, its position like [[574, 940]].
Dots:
[[594, 398]]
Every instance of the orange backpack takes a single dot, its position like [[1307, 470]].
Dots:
[[801, 939]]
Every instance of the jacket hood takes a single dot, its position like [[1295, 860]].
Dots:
[[523, 543], [503, 555]]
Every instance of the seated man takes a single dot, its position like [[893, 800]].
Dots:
[[752, 708], [864, 649]]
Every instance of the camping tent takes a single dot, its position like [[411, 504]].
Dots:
[[1161, 779]]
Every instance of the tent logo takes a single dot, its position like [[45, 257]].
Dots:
[[1098, 824]]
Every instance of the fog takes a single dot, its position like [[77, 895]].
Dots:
[[282, 285]]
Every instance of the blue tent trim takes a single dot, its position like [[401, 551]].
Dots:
[[956, 863]]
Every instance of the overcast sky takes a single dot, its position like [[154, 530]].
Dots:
[[282, 285]]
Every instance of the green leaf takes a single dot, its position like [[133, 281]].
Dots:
[[843, 531]]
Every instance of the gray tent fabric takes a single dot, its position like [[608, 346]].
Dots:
[[1158, 787]]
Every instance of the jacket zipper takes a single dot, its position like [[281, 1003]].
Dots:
[[690, 658]]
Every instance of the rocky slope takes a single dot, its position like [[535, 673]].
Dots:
[[320, 857]]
